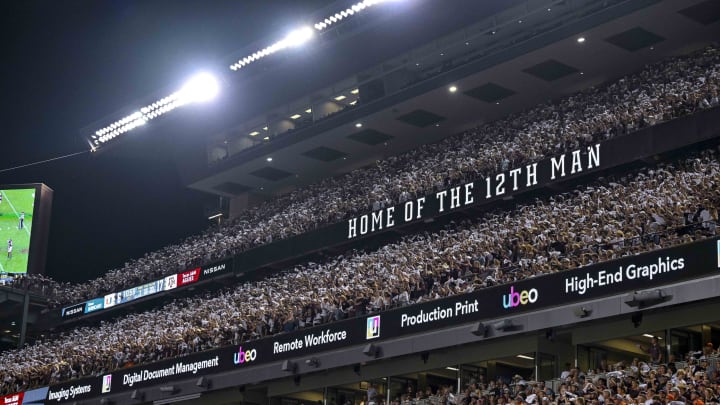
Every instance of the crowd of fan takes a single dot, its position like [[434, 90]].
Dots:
[[694, 380], [663, 91], [655, 207]]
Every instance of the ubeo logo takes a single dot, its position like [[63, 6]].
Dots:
[[244, 357], [514, 298]]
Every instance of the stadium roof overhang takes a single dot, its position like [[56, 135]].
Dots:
[[619, 39]]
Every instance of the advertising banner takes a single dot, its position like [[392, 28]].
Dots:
[[72, 311], [94, 305], [73, 391], [14, 399], [154, 287], [619, 276], [188, 277], [511, 181]]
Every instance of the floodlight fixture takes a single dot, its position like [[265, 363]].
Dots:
[[254, 133], [304, 34], [580, 40], [298, 37], [348, 12], [293, 39], [200, 88]]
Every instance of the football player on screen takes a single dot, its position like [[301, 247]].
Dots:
[[22, 220], [9, 248]]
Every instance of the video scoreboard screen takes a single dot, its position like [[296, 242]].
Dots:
[[24, 221]]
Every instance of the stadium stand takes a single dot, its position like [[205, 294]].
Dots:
[[661, 92], [690, 381], [609, 219], [229, 339]]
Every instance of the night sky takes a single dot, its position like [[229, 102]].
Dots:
[[69, 64]]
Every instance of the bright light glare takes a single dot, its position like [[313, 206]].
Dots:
[[350, 11], [200, 88], [295, 38], [452, 89], [298, 37], [581, 40], [302, 35]]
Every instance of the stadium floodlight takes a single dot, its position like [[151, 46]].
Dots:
[[298, 37], [293, 39], [304, 34], [200, 88], [348, 12]]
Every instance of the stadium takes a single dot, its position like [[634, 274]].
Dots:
[[494, 202]]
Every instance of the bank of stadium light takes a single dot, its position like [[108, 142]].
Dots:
[[293, 39], [304, 34], [348, 12], [199, 88]]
